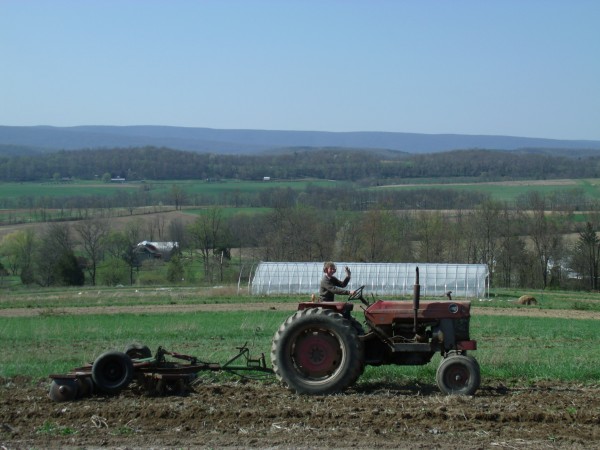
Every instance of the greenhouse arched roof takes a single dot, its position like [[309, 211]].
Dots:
[[464, 280]]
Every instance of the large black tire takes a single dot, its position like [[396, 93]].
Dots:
[[138, 351], [112, 371], [458, 375], [316, 351]]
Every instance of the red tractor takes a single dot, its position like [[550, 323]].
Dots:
[[322, 349]]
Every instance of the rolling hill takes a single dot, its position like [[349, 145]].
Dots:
[[43, 139]]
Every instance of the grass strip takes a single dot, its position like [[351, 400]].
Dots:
[[511, 349]]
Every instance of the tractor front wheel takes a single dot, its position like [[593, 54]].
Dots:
[[317, 351], [459, 375]]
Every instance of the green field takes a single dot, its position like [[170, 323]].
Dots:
[[500, 191], [79, 188], [511, 349], [213, 188], [510, 191]]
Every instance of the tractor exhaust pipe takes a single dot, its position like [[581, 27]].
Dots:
[[416, 298]]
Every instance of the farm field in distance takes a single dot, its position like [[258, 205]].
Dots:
[[510, 190], [526, 399], [502, 190], [85, 187], [28, 194], [31, 212]]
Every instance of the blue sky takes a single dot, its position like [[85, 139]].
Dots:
[[501, 67]]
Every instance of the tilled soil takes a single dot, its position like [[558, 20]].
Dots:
[[265, 415]]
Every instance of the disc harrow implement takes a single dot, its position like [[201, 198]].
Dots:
[[165, 373]]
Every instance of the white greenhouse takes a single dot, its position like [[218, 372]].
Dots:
[[464, 280]]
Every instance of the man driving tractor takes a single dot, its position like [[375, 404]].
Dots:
[[330, 285]]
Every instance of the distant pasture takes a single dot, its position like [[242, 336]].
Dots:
[[511, 190]]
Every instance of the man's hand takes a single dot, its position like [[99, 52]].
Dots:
[[347, 271]]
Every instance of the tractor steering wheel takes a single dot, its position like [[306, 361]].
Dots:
[[358, 294]]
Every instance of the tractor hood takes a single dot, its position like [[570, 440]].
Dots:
[[385, 312]]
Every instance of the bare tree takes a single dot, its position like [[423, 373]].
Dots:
[[379, 238], [299, 233], [587, 252], [55, 262], [176, 232], [131, 237], [544, 230], [93, 234], [178, 196], [512, 257], [347, 241], [486, 232], [432, 236], [206, 232], [122, 245]]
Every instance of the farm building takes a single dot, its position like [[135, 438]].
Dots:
[[464, 280], [156, 250]]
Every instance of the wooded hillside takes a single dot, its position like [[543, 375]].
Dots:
[[367, 166]]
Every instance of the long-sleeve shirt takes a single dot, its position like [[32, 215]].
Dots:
[[331, 286]]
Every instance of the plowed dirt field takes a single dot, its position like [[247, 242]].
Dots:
[[255, 415]]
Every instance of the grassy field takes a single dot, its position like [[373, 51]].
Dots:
[[547, 300], [86, 188], [511, 349], [508, 191], [14, 191]]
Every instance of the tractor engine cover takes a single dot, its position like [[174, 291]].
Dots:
[[384, 312]]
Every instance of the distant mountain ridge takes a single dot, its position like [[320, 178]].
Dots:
[[223, 141]]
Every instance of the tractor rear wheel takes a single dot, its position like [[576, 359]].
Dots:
[[459, 375], [317, 351]]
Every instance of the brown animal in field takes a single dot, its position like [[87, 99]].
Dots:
[[527, 300]]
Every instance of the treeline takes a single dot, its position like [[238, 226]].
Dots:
[[367, 166], [50, 208], [521, 247]]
